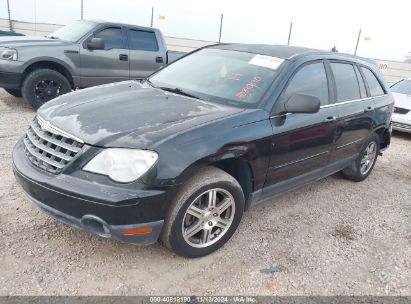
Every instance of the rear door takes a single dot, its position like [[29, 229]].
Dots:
[[301, 143], [356, 110], [146, 55], [108, 65]]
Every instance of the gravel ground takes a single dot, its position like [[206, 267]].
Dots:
[[334, 237]]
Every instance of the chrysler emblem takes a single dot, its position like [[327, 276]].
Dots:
[[45, 125]]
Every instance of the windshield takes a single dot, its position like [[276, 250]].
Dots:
[[402, 87], [73, 32], [224, 76]]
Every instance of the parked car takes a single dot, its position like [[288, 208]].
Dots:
[[181, 155], [79, 55], [401, 119], [10, 33]]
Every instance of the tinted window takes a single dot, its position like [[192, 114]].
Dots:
[[113, 38], [309, 80], [142, 40], [403, 87], [361, 82], [345, 81], [373, 84]]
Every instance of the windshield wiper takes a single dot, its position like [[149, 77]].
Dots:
[[179, 91], [52, 37]]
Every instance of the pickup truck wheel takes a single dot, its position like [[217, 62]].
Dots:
[[204, 215], [363, 165], [16, 93], [42, 85]]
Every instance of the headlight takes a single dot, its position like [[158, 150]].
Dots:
[[122, 165], [8, 54]]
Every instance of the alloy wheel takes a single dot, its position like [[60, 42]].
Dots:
[[208, 218], [368, 158], [46, 90]]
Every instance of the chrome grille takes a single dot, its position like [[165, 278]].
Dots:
[[48, 147]]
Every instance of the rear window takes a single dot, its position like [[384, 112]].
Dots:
[[142, 40], [373, 84], [345, 81]]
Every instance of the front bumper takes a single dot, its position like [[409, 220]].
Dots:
[[10, 74], [401, 123], [90, 206]]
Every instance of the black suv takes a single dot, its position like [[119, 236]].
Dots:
[[181, 155]]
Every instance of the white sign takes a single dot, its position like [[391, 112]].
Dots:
[[266, 61]]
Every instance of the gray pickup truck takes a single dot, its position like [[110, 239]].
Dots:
[[79, 55]]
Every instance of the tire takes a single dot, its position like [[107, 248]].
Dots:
[[195, 194], [15, 93], [42, 85], [354, 171]]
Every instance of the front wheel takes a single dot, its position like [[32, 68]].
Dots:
[[363, 165], [204, 215], [42, 85]]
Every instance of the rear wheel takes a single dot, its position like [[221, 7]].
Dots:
[[42, 85], [363, 165], [16, 93], [204, 215]]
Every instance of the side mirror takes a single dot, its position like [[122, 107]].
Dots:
[[96, 44], [300, 103]]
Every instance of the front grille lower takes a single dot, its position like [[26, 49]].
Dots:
[[47, 148], [401, 110], [400, 125]]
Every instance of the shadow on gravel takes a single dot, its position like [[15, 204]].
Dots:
[[402, 135]]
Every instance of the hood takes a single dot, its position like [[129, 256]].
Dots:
[[402, 100], [129, 114], [18, 41]]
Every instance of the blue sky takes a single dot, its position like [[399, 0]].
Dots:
[[316, 23]]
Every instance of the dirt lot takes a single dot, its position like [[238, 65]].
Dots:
[[332, 237]]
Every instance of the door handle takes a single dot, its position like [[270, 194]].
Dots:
[[368, 109], [159, 59], [123, 57], [330, 119]]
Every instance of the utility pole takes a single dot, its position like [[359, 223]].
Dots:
[[82, 10], [358, 41], [152, 16], [221, 28], [8, 10], [289, 33]]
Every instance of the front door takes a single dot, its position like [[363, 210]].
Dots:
[[108, 65], [301, 143]]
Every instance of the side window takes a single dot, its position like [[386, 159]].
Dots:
[[113, 38], [361, 82], [373, 83], [142, 40], [346, 81], [311, 80]]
